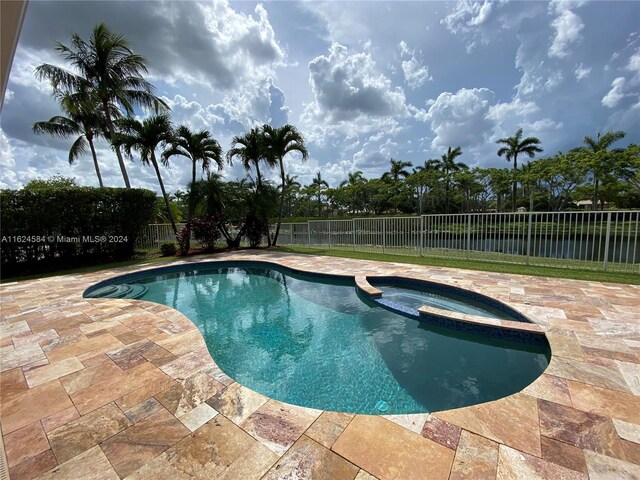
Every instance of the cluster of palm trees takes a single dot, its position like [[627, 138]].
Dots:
[[99, 96]]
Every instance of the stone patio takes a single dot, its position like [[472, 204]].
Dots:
[[108, 389]]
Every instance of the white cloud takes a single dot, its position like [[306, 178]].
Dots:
[[582, 72], [214, 44], [567, 26], [415, 73], [6, 153], [351, 97], [517, 107], [348, 85], [461, 118], [477, 22], [633, 66], [465, 14], [616, 94]]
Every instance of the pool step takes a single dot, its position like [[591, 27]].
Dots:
[[130, 291]]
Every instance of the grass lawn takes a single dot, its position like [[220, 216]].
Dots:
[[589, 275]]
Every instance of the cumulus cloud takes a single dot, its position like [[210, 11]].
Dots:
[[517, 107], [461, 118], [567, 26], [616, 94], [633, 66], [348, 85], [415, 73], [477, 22], [351, 97]]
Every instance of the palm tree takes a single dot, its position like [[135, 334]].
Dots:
[[318, 185], [447, 166], [197, 147], [355, 178], [278, 142], [514, 146], [108, 70], [145, 137], [597, 157], [81, 120], [291, 186], [397, 170], [423, 178], [250, 150]]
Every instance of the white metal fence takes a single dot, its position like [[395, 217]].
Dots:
[[155, 234], [606, 241]]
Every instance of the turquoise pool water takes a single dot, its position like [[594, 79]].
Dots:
[[417, 297], [318, 344]]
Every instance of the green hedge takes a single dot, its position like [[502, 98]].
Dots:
[[47, 229]]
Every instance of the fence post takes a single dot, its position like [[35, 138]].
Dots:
[[421, 234], [353, 228], [606, 242], [309, 233], [329, 232], [384, 233], [468, 235], [529, 238]]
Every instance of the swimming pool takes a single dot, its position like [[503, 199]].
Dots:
[[314, 341]]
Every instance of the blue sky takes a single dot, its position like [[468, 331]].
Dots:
[[363, 81]]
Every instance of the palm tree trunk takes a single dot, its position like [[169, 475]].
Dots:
[[258, 175], [281, 209], [193, 184], [164, 194], [595, 193], [112, 132], [514, 186], [95, 159], [446, 196]]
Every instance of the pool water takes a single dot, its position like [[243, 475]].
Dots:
[[317, 344], [416, 298]]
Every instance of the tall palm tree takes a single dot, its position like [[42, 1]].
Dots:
[[319, 185], [278, 143], [145, 137], [397, 170], [514, 146], [82, 121], [597, 150], [197, 147], [109, 70], [250, 150], [447, 166]]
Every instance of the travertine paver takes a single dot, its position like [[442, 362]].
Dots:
[[106, 388]]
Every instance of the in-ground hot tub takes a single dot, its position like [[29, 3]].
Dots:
[[318, 341]]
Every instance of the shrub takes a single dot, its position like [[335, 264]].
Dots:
[[183, 237], [62, 226], [255, 228], [205, 230], [168, 249]]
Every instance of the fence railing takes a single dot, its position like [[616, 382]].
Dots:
[[155, 234], [607, 241]]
